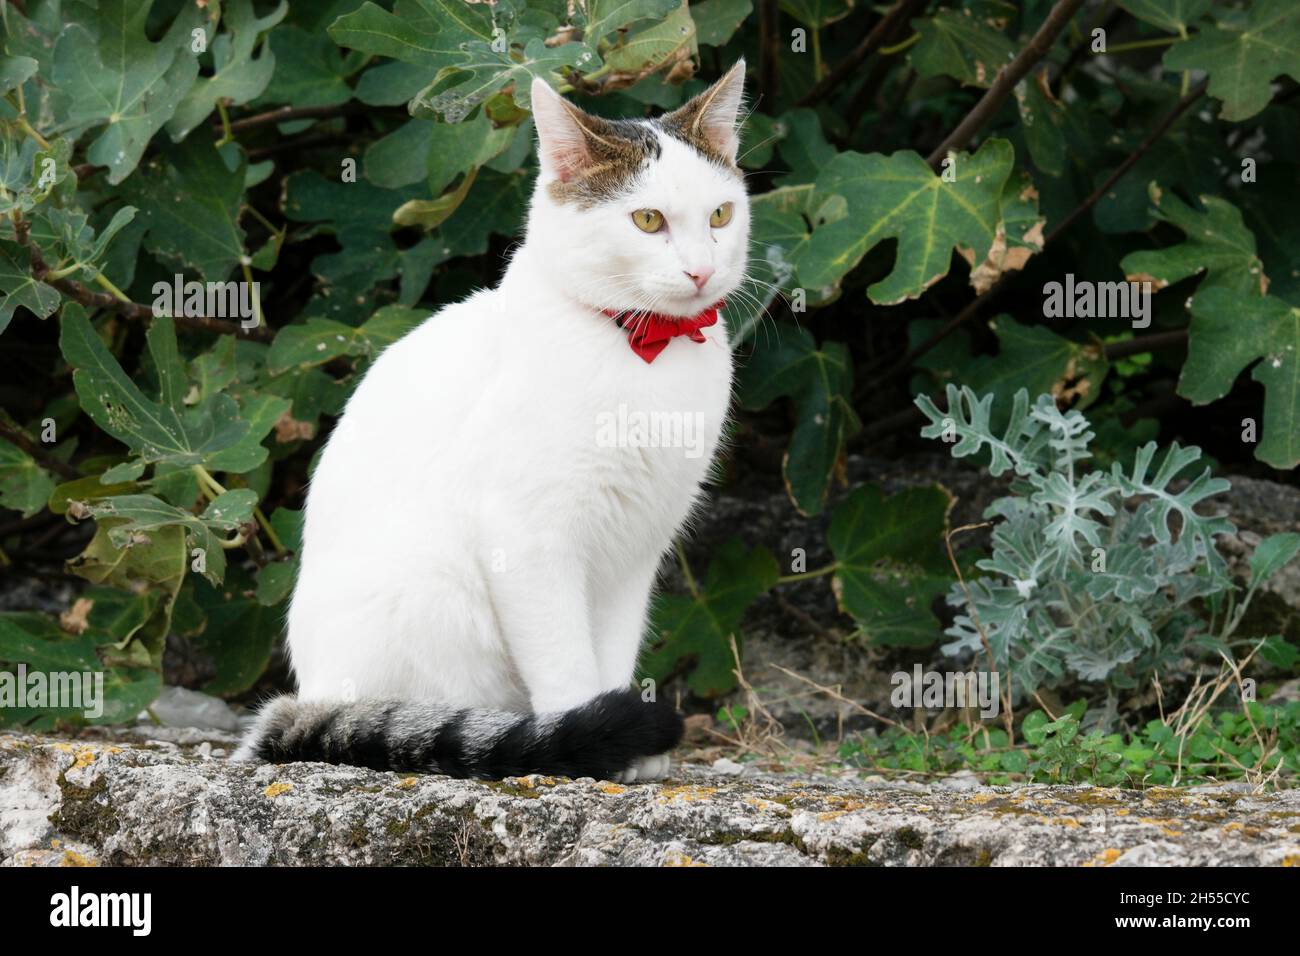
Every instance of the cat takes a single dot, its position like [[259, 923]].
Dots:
[[476, 562]]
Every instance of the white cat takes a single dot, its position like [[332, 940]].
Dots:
[[478, 552]]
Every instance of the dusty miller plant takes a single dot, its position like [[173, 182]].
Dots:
[[1093, 575]]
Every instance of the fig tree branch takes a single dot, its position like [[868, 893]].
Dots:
[[1005, 82]]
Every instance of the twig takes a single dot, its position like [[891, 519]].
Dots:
[[973, 307], [24, 441], [303, 142], [135, 310], [802, 616], [1143, 344], [1129, 161], [769, 30], [831, 692], [911, 415], [1084, 45], [1008, 715], [898, 13], [1037, 48], [286, 113]]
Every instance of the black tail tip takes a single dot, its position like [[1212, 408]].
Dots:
[[644, 727]]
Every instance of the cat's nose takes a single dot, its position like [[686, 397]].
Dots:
[[700, 275]]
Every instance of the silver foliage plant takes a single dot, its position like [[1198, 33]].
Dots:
[[1093, 574]]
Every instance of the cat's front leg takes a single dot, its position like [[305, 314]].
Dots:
[[618, 631], [541, 606], [619, 610]]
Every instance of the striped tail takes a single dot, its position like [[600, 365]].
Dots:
[[599, 739]]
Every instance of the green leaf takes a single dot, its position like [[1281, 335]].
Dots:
[[260, 413], [889, 564], [717, 20], [25, 168], [1018, 237], [20, 288], [153, 432], [190, 201], [1218, 244], [803, 146], [25, 486], [1034, 727], [1036, 359], [287, 523], [1173, 16], [15, 71], [698, 627], [1244, 56], [275, 581], [117, 78], [359, 215], [429, 214], [1279, 652], [90, 488], [37, 641], [310, 70], [455, 150], [603, 17], [820, 383], [1042, 121], [1230, 331], [483, 70], [66, 236], [495, 205], [238, 634], [150, 561], [1271, 555], [899, 197], [318, 341], [1196, 529], [815, 14], [427, 33], [957, 44], [239, 76], [649, 49]]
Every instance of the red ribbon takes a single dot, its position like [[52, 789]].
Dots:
[[650, 333]]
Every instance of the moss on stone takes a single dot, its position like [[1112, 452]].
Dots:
[[841, 856], [910, 838], [84, 811]]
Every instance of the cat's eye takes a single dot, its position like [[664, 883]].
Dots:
[[722, 215], [648, 220]]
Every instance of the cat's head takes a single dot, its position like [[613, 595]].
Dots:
[[643, 214]]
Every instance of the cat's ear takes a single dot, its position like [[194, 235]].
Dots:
[[711, 120], [568, 139]]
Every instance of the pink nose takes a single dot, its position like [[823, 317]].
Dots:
[[700, 276]]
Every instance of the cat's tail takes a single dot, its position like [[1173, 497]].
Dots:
[[600, 738]]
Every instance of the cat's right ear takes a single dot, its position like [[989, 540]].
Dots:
[[567, 138]]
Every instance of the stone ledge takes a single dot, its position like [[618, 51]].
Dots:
[[122, 801]]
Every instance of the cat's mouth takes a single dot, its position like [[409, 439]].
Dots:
[[689, 305]]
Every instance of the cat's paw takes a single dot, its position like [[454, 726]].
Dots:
[[644, 769]]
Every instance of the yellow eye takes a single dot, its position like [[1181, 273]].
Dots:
[[721, 216], [648, 220]]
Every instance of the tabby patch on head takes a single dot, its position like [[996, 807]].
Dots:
[[617, 151], [593, 159]]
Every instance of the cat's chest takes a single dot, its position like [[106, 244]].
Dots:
[[655, 428]]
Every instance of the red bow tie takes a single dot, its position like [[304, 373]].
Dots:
[[650, 333]]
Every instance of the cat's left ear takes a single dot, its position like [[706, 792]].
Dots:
[[711, 120]]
